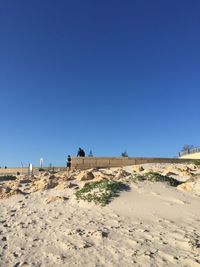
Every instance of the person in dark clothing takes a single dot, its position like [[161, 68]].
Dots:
[[81, 152], [69, 163]]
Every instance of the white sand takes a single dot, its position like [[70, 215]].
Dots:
[[153, 224]]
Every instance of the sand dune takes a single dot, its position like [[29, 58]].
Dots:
[[152, 224]]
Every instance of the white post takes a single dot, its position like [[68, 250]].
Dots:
[[30, 168], [41, 163]]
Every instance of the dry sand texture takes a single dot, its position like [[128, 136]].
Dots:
[[152, 224]]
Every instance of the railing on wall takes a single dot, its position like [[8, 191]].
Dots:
[[190, 151]]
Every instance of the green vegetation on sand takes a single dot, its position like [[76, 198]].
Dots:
[[4, 178], [197, 163], [101, 192], [156, 177]]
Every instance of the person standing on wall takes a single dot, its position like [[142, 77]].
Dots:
[[81, 152]]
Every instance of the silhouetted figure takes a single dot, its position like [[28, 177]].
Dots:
[[81, 152], [5, 167], [69, 162]]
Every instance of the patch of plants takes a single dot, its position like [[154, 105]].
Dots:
[[7, 178], [101, 192], [197, 163], [41, 170], [156, 177]]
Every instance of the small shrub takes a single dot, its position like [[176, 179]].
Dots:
[[101, 192], [7, 178]]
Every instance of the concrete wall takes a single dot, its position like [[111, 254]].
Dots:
[[101, 162], [191, 156], [86, 163]]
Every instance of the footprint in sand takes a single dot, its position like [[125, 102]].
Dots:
[[13, 210], [177, 201], [16, 264], [15, 255], [5, 247], [155, 194]]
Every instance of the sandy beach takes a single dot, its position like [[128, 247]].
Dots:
[[148, 224], [100, 133]]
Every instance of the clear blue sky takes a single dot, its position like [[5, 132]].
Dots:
[[104, 75]]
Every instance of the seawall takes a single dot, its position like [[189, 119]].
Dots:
[[86, 163], [99, 162]]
